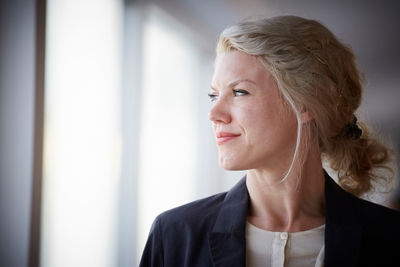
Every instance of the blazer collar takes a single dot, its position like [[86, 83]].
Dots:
[[342, 230], [227, 239]]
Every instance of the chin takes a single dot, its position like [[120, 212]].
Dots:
[[231, 165]]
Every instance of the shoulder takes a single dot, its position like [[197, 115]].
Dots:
[[181, 234], [355, 226], [379, 225], [201, 213], [380, 228], [344, 208], [376, 216]]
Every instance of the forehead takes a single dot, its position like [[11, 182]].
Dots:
[[237, 65]]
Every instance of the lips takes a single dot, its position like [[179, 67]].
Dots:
[[223, 137]]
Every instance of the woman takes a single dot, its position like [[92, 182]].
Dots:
[[284, 95]]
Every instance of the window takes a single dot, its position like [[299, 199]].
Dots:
[[82, 144], [168, 122]]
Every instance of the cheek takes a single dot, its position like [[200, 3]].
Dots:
[[270, 124], [259, 118]]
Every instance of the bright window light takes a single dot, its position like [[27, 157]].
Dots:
[[82, 150], [167, 134]]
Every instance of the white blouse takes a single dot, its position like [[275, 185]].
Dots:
[[282, 249]]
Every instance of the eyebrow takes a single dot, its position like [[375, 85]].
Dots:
[[236, 82]]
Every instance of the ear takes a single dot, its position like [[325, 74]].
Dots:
[[305, 117]]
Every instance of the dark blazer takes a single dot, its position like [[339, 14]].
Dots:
[[211, 232]]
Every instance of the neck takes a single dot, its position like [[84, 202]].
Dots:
[[295, 204]]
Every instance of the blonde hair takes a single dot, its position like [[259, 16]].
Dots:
[[317, 73]]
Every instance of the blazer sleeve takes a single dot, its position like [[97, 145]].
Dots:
[[153, 251]]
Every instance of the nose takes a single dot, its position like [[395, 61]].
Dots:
[[220, 112]]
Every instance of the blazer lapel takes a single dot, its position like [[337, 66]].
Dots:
[[227, 240], [342, 231]]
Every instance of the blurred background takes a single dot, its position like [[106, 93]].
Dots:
[[103, 114]]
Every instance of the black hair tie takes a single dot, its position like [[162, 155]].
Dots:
[[352, 130]]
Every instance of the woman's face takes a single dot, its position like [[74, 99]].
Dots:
[[252, 126]]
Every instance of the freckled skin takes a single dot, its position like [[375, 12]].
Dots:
[[267, 129]]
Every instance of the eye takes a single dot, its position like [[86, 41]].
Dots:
[[239, 92], [213, 97]]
